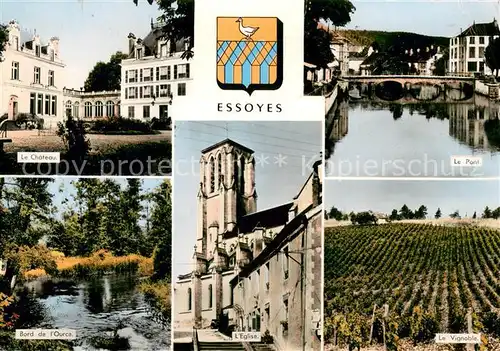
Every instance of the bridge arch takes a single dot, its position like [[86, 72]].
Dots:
[[390, 90]]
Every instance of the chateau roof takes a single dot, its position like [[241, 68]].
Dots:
[[482, 29], [230, 142], [151, 39]]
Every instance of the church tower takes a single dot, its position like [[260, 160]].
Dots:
[[226, 192]]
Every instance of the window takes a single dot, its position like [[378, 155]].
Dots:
[[15, 71], [32, 103], [212, 175], [110, 109], [286, 262], [181, 89], [163, 50], [69, 109], [481, 52], [47, 104], [266, 276], [52, 55], [189, 297], [472, 52], [36, 75], [88, 109], [139, 53], [132, 76], [481, 40], [51, 78], [145, 111], [164, 90], [148, 74], [16, 43], [182, 71], [39, 105], [163, 73], [131, 112], [147, 91], [76, 110], [132, 92], [99, 109], [219, 169], [472, 40], [472, 67], [210, 296], [37, 50], [54, 106]]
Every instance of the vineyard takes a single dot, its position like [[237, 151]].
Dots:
[[433, 279]]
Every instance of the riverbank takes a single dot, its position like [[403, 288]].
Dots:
[[100, 263], [158, 295]]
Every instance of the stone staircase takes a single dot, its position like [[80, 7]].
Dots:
[[257, 346], [220, 346]]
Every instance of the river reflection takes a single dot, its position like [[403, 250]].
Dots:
[[366, 138], [100, 305]]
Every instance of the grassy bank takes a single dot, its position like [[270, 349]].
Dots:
[[99, 263], [158, 295]]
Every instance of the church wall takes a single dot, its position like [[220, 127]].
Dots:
[[183, 317]]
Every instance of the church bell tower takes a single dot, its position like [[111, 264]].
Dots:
[[226, 192]]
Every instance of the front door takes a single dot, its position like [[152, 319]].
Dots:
[[163, 112]]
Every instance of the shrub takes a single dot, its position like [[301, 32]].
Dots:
[[120, 125], [74, 138]]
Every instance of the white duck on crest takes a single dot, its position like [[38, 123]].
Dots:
[[245, 30]]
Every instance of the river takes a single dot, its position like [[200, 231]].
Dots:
[[367, 138], [98, 306]]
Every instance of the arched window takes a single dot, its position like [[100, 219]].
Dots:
[[242, 174], [212, 175], [219, 169], [110, 109], [68, 108], [189, 299], [99, 109], [88, 109], [76, 109], [210, 296], [235, 172]]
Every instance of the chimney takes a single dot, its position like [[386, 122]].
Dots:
[[152, 25], [131, 43], [54, 43]]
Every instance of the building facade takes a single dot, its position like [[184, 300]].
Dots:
[[91, 105], [31, 76], [262, 269], [467, 49], [152, 75]]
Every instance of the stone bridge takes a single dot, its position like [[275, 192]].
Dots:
[[412, 79]]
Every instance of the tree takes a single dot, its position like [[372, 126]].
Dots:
[[492, 55], [421, 213], [455, 215], [394, 215], [106, 75], [335, 214], [161, 230], [440, 65], [317, 45], [438, 214], [405, 212], [4, 38], [487, 212], [474, 216]]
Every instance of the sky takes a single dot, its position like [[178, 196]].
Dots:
[[299, 144], [92, 30], [385, 195]]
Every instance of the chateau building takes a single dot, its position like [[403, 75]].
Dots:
[[153, 74], [262, 269], [89, 105], [467, 49], [31, 76]]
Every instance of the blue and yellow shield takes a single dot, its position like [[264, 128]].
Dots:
[[249, 53]]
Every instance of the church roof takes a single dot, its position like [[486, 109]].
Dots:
[[230, 142], [268, 218], [283, 237]]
